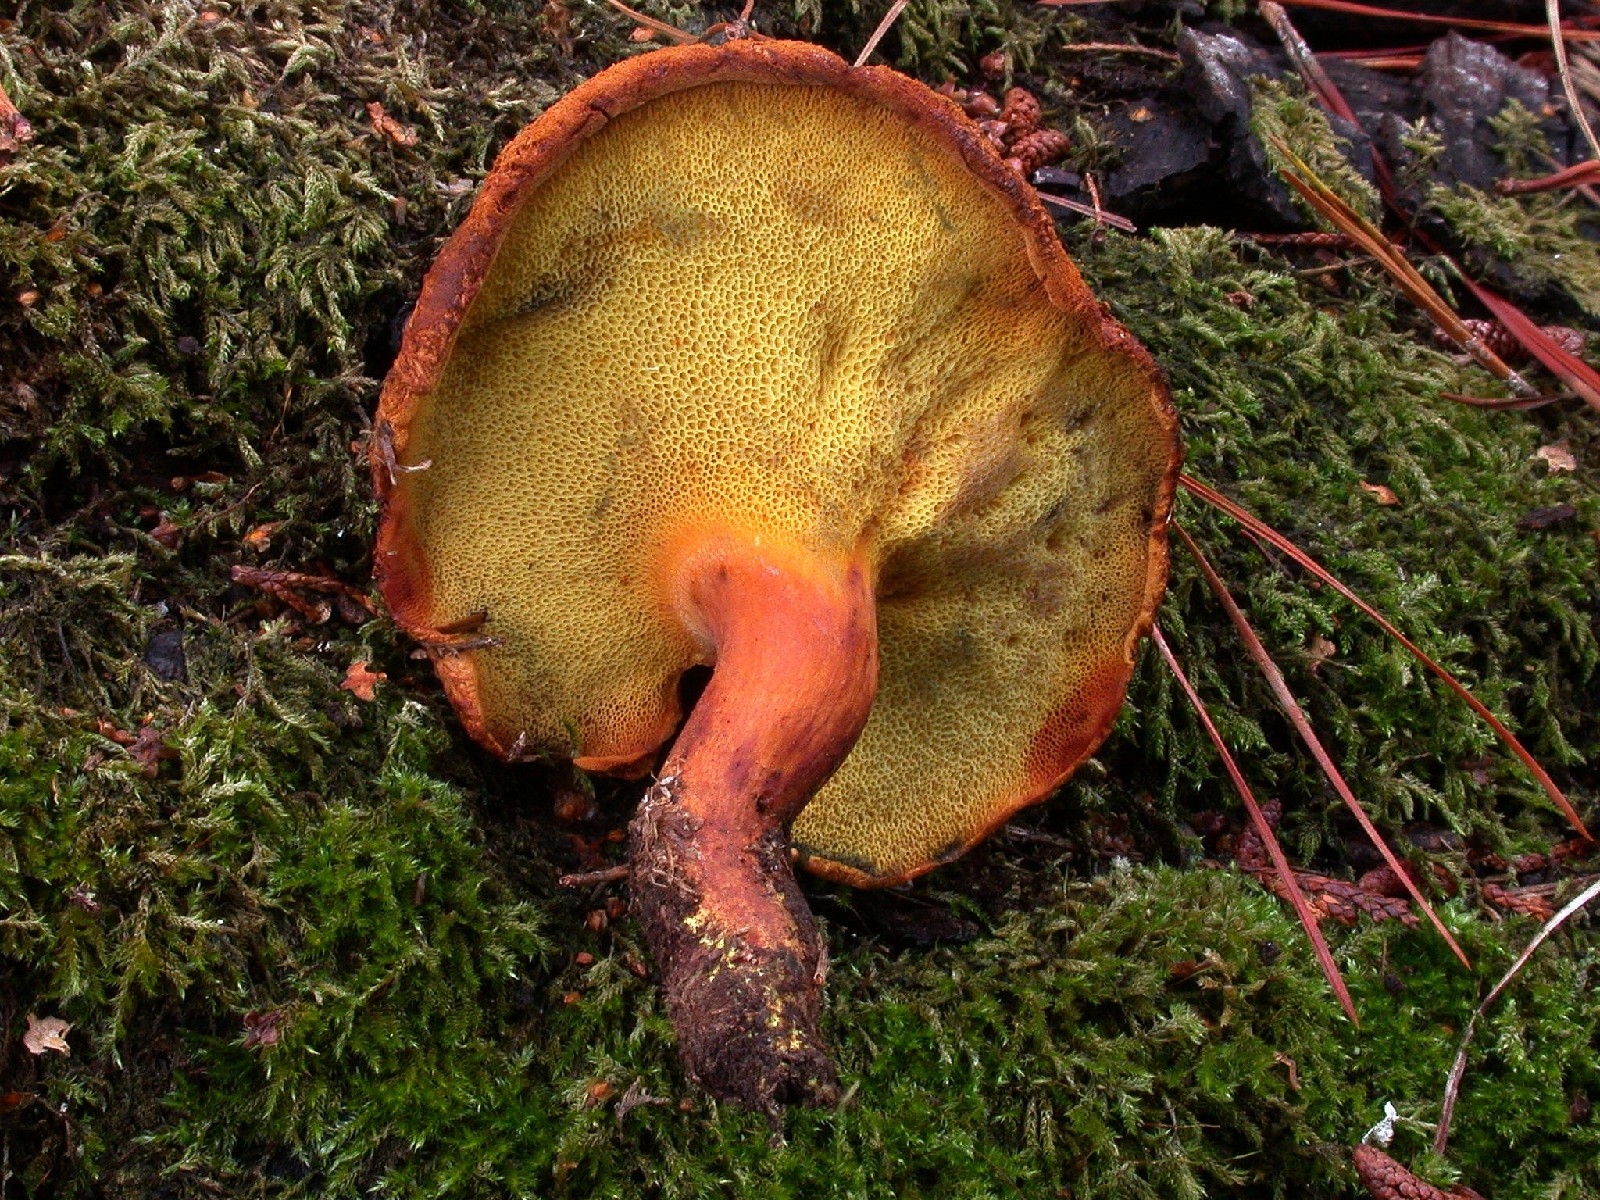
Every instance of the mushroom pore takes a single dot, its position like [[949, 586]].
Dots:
[[749, 359]]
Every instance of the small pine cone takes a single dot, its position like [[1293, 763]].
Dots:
[[1497, 338], [1021, 112], [1386, 1179], [1573, 341], [1573, 848], [1382, 881], [1528, 904], [1038, 148], [1250, 852], [1338, 899]]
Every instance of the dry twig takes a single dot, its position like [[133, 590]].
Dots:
[[1452, 1087], [889, 18]]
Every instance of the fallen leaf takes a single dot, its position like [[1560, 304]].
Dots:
[[1384, 495], [634, 1097], [1557, 456], [361, 681], [168, 534], [109, 729], [263, 1028], [14, 1100], [45, 1034], [14, 128], [149, 751], [260, 537], [1284, 1060], [1543, 518], [1321, 650], [382, 122]]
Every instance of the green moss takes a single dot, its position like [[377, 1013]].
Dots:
[[354, 880], [1284, 112], [241, 224], [947, 37], [1541, 239], [1292, 400], [1539, 243]]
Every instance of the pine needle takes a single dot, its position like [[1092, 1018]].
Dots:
[[1407, 278], [1392, 14], [1452, 1086], [1558, 43], [889, 18], [1297, 717], [1259, 528], [1280, 861]]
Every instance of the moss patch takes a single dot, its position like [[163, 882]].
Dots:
[[312, 945]]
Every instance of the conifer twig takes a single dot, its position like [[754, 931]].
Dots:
[[1119, 48], [671, 32], [584, 878], [1458, 1069], [1305, 62]]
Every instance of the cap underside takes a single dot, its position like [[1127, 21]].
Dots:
[[783, 310]]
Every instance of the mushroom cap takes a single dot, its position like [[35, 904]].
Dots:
[[750, 293]]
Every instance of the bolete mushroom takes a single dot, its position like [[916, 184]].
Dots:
[[750, 359]]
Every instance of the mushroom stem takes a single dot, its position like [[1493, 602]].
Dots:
[[794, 641]]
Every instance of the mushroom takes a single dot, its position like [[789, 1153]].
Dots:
[[748, 359]]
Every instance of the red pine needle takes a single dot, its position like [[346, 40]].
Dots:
[[1297, 718], [1570, 31], [1280, 862], [1563, 364], [1576, 175], [1261, 529]]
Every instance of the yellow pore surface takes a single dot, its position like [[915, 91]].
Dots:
[[784, 310]]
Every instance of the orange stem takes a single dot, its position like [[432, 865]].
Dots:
[[794, 641]]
